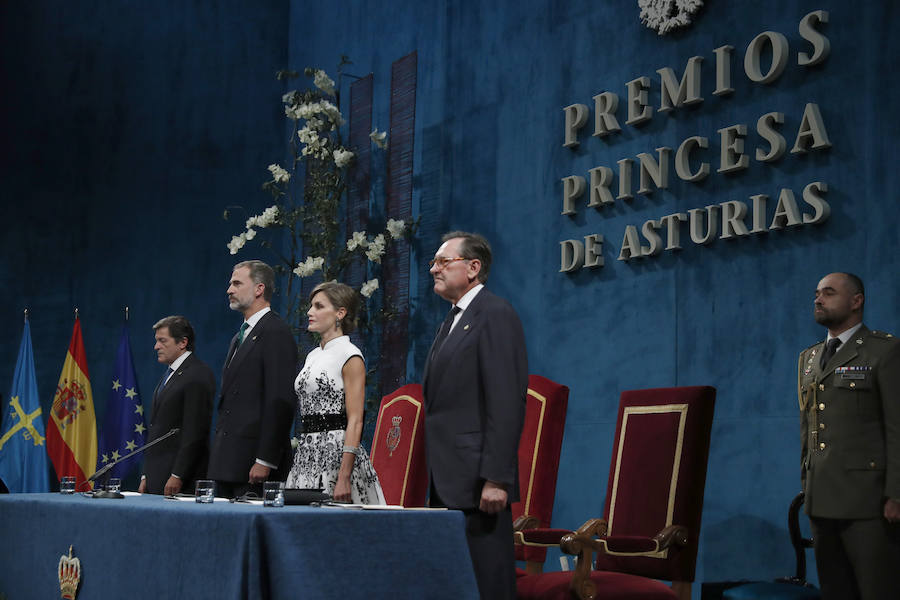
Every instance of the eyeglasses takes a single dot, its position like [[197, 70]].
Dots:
[[443, 261]]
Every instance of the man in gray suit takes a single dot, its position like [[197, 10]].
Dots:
[[849, 393], [475, 383]]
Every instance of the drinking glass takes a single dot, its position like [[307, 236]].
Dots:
[[273, 493], [206, 491], [67, 485]]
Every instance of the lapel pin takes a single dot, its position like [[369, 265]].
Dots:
[[466, 327], [859, 341]]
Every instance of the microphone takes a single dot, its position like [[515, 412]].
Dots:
[[106, 469]]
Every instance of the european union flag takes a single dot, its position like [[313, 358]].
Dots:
[[23, 456], [123, 429]]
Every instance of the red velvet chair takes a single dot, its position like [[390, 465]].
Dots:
[[651, 524], [539, 448], [398, 448]]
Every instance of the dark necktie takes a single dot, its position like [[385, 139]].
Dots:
[[161, 386], [445, 329], [831, 347]]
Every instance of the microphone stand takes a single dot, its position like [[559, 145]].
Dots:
[[105, 470]]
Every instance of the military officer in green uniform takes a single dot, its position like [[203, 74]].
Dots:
[[849, 392]]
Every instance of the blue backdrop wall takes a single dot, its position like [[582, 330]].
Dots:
[[128, 131]]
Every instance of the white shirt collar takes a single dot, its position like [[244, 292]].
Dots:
[[464, 302], [180, 360], [255, 317], [845, 336]]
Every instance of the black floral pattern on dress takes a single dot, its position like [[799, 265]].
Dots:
[[318, 457]]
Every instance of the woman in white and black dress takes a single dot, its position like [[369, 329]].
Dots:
[[330, 399]]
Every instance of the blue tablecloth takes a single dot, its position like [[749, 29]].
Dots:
[[149, 547]]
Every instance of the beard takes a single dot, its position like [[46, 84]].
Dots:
[[827, 318], [235, 303]]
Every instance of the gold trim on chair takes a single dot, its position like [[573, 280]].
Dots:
[[412, 439], [537, 440], [645, 410]]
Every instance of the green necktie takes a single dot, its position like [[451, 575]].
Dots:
[[241, 333]]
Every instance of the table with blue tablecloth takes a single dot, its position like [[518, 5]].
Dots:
[[151, 547]]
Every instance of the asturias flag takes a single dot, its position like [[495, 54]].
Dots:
[[72, 426], [23, 462], [123, 426]]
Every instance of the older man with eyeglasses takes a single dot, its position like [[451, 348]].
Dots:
[[476, 380]]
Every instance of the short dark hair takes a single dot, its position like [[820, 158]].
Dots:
[[472, 246], [179, 328], [856, 283], [343, 296], [262, 273]]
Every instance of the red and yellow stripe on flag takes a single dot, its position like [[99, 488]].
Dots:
[[71, 428]]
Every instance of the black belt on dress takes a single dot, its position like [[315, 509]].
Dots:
[[326, 422]]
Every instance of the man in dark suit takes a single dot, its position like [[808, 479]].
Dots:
[[256, 407], [476, 380], [183, 400], [849, 392]]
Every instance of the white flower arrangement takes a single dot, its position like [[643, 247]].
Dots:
[[279, 174], [309, 266], [237, 242], [268, 218], [396, 228], [368, 288], [313, 145], [308, 191], [376, 248], [357, 240], [342, 157], [322, 81]]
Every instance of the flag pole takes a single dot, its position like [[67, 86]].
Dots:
[[126, 314], [26, 315], [76, 313]]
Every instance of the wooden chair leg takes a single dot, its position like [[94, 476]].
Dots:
[[682, 589]]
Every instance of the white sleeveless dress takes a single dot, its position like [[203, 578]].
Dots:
[[320, 424]]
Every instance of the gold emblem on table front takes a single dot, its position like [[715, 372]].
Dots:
[[69, 575]]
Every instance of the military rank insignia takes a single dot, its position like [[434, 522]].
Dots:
[[69, 576], [809, 363]]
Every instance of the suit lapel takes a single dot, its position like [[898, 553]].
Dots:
[[444, 355], [174, 382], [242, 351]]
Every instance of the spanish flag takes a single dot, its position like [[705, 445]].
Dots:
[[71, 428]]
